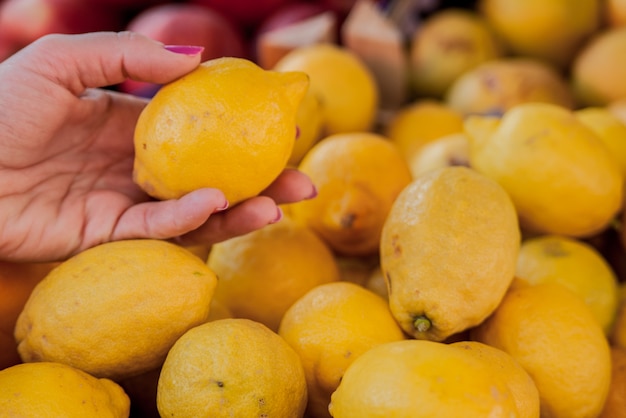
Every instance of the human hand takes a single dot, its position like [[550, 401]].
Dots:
[[66, 153]]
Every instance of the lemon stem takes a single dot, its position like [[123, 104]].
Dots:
[[421, 323]]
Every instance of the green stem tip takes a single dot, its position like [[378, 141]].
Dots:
[[422, 323]]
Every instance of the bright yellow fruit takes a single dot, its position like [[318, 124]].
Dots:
[[418, 378], [448, 150], [521, 385], [231, 368], [560, 175], [448, 251], [447, 44], [330, 327], [310, 121], [496, 86], [46, 389], [358, 175], [615, 405], [115, 310], [550, 30], [228, 124], [262, 273], [609, 128], [343, 84], [577, 266], [553, 334], [421, 122]]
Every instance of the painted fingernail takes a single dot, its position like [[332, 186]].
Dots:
[[313, 193], [190, 50], [297, 132], [279, 215], [223, 208]]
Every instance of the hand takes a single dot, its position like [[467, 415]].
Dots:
[[66, 153]]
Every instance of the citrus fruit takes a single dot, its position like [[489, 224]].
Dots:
[[560, 175], [615, 405], [577, 266], [420, 122], [262, 273], [448, 251], [115, 310], [549, 30], [448, 43], [553, 335], [419, 378], [521, 385], [448, 150], [496, 86], [331, 326], [48, 389], [228, 124], [358, 175], [341, 81], [17, 281], [609, 128], [231, 368], [309, 120]]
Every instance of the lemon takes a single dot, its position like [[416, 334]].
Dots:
[[115, 310], [554, 336], [343, 84], [228, 124], [549, 30], [309, 120], [615, 405], [560, 175], [519, 382], [577, 266], [421, 122], [331, 326], [358, 176], [231, 368], [448, 251], [419, 378], [448, 150], [609, 128], [262, 273], [48, 389]]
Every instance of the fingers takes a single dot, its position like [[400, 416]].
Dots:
[[106, 58], [291, 186]]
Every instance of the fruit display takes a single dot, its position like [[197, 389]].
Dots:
[[463, 253]]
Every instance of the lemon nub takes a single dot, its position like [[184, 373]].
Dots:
[[422, 323]]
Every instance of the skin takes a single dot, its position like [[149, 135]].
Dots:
[[66, 154]]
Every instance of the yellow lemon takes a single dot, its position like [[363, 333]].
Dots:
[[421, 122], [228, 124], [577, 266], [115, 310], [358, 175], [448, 251], [341, 81], [521, 385], [615, 405], [550, 30], [231, 368], [419, 378], [262, 273], [609, 128], [553, 334], [309, 120], [331, 326], [448, 150], [48, 389], [560, 175]]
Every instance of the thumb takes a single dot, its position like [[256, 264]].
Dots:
[[99, 59]]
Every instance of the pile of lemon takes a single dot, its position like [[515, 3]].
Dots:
[[462, 258]]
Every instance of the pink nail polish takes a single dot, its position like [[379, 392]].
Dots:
[[313, 193], [190, 50], [223, 208], [297, 132], [279, 215]]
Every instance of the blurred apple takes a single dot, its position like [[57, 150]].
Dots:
[[186, 24], [24, 21], [249, 13]]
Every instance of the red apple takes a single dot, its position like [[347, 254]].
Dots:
[[249, 13], [23, 21], [186, 24]]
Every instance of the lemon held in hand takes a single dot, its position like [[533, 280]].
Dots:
[[229, 124]]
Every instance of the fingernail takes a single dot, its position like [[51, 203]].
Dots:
[[297, 132], [313, 193], [190, 50], [223, 208], [279, 215]]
